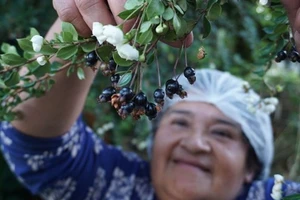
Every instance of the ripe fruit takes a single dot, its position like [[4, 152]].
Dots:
[[189, 73], [140, 99], [115, 79], [159, 95], [106, 94], [126, 94], [294, 56], [151, 111], [112, 65], [91, 58], [281, 55], [172, 87]]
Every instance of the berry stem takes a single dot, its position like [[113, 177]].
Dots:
[[157, 68]]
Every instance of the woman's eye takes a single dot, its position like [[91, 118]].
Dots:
[[179, 122], [221, 133]]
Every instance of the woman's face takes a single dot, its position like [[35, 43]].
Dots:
[[198, 154]]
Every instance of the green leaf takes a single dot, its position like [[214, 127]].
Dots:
[[145, 26], [206, 28], [25, 44], [88, 47], [12, 79], [154, 8], [67, 36], [7, 48], [129, 14], [179, 25], [176, 24], [211, 3], [41, 71], [2, 84], [168, 14], [69, 28], [124, 79], [67, 52], [182, 4], [145, 37], [120, 61], [292, 197], [179, 9], [47, 49], [80, 73], [214, 12], [33, 32], [131, 4], [12, 59], [104, 52]]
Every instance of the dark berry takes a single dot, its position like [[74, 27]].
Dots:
[[159, 95], [106, 94], [126, 94], [172, 86], [91, 58], [150, 110], [188, 72], [281, 55], [115, 78], [140, 99], [112, 64], [294, 56], [128, 108]]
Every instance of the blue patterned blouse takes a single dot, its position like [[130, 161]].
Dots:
[[79, 166]]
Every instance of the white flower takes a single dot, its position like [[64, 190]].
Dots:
[[278, 178], [98, 32], [271, 100], [128, 52], [269, 108], [41, 60], [276, 196], [37, 42], [276, 190], [263, 2], [113, 35]]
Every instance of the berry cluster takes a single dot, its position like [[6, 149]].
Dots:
[[291, 54], [126, 101]]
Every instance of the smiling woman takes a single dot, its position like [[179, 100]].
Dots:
[[215, 144]]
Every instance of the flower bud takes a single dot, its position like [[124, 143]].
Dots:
[[113, 35], [128, 52], [37, 42], [41, 60]]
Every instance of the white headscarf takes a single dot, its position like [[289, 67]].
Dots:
[[228, 94]]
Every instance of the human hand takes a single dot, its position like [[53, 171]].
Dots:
[[293, 11], [82, 14]]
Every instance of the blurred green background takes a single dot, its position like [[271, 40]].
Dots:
[[238, 43]]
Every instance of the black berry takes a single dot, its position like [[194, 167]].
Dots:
[[128, 108], [159, 95], [294, 56], [150, 110], [91, 58], [106, 94], [126, 94], [112, 64], [188, 72], [140, 99], [115, 78], [172, 86]]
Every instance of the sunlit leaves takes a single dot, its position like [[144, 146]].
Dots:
[[67, 52]]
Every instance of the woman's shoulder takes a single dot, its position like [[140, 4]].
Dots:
[[263, 189]]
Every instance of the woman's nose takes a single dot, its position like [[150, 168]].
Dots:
[[195, 143]]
